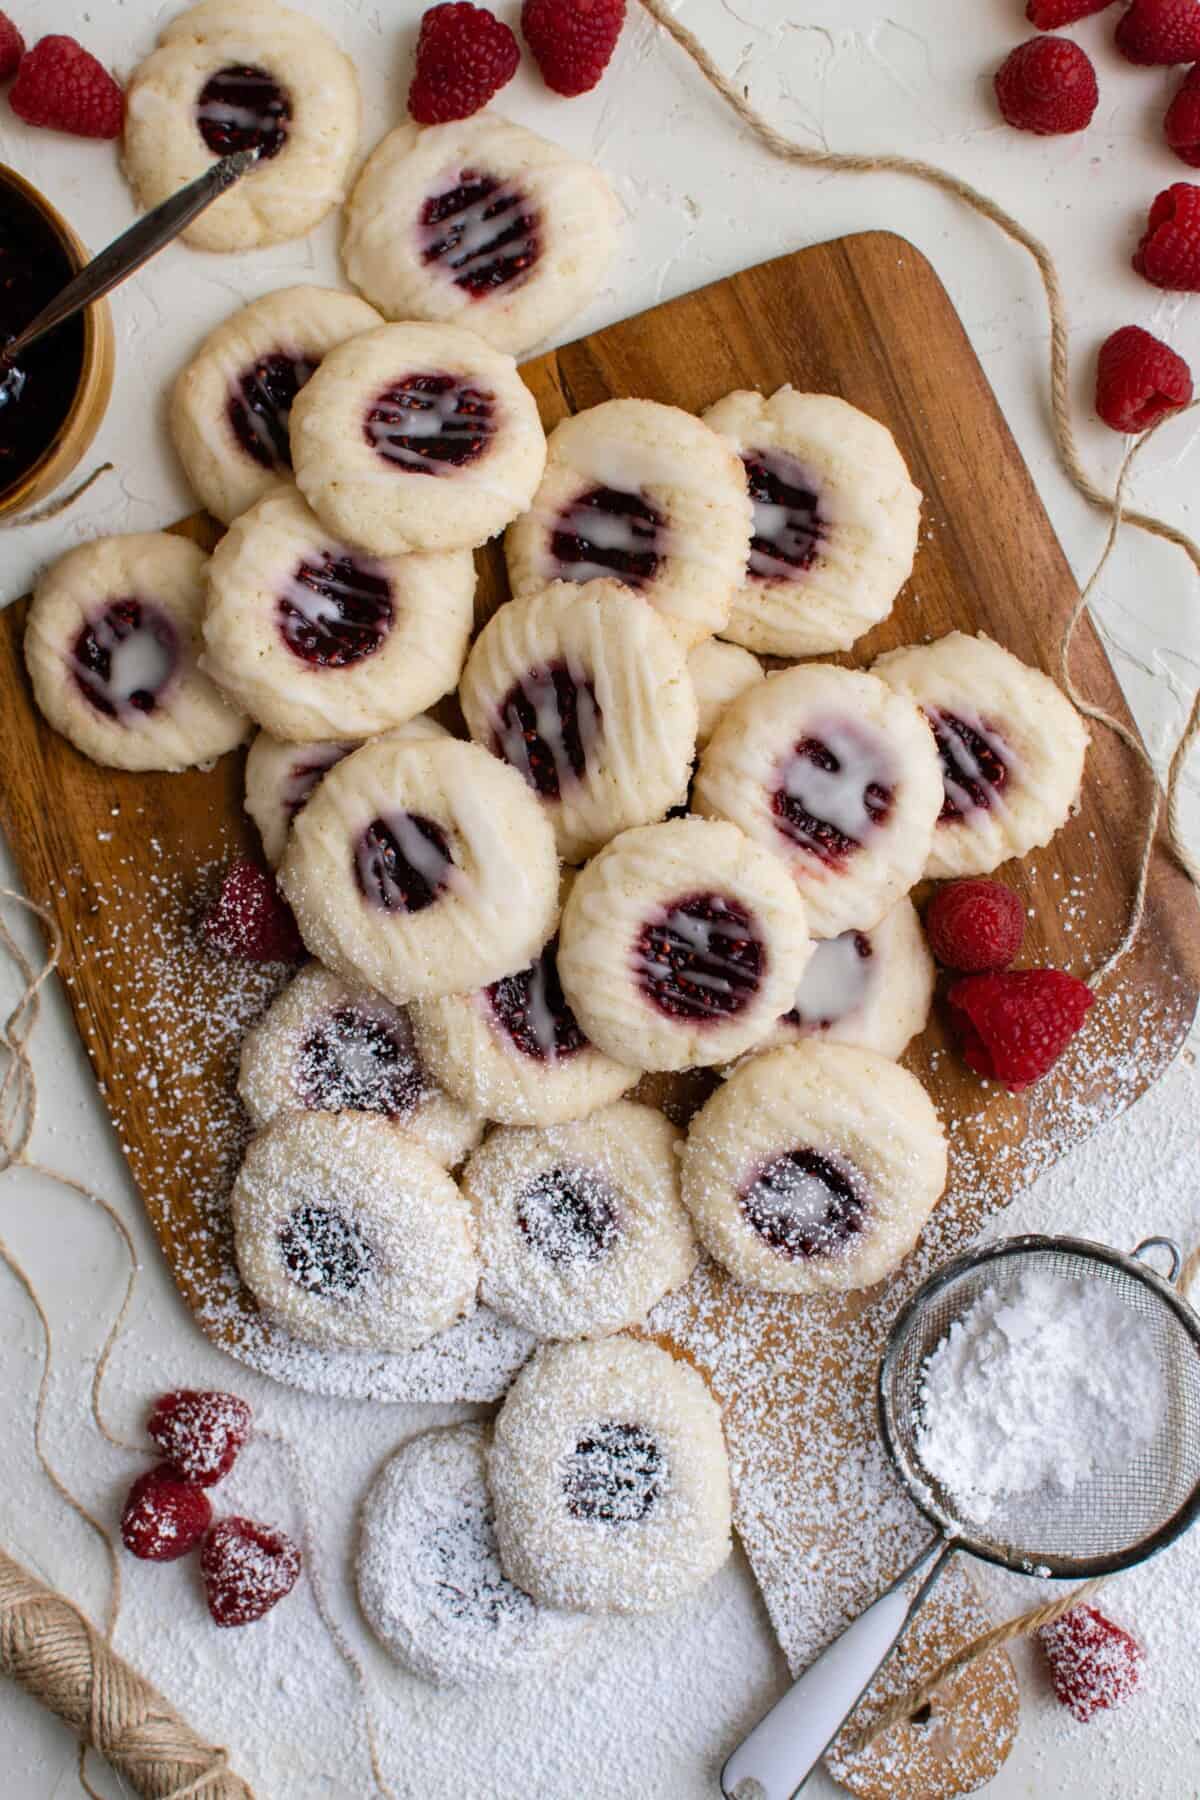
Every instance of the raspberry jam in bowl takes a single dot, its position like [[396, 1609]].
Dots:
[[46, 426]]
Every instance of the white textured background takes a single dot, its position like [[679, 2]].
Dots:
[[645, 1709]]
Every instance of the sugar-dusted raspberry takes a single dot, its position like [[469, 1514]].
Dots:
[[250, 918], [1160, 31], [1047, 85], [1169, 252], [1051, 15], [247, 1569], [61, 85], [199, 1433], [12, 48], [1181, 126], [1139, 379], [1014, 1026], [975, 925], [464, 56], [164, 1517], [1094, 1664], [572, 40]]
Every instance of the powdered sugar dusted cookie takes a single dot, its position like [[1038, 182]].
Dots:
[[428, 1569], [255, 75], [351, 1235], [1012, 748], [871, 989], [417, 437], [814, 1167], [581, 1228], [112, 644], [682, 944], [720, 674], [644, 494], [589, 698], [479, 223], [422, 868], [318, 640], [610, 1479], [836, 775], [230, 407], [281, 778], [326, 1046], [835, 521]]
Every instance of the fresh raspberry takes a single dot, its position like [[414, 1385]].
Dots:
[[1094, 1664], [1014, 1026], [1049, 15], [1169, 252], [12, 47], [572, 40], [250, 918], [464, 56], [60, 84], [975, 925], [247, 1569], [1047, 85], [164, 1517], [1160, 31], [1139, 379], [199, 1433], [1181, 127]]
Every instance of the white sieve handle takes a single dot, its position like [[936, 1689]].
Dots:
[[784, 1748]]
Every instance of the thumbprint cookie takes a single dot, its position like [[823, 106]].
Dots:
[[870, 989]]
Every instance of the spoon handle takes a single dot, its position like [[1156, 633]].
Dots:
[[134, 247]]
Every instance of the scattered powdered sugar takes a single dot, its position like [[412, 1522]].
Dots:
[[1041, 1384]]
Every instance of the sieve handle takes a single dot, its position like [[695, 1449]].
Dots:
[[784, 1748]]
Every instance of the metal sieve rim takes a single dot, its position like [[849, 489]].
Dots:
[[950, 1527]]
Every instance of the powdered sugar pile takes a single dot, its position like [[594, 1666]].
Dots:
[[1041, 1384]]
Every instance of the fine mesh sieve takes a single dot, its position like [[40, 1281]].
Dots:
[[1111, 1520]]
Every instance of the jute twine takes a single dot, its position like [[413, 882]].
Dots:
[[54, 509]]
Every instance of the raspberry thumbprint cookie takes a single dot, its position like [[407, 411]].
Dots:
[[610, 1478], [479, 223], [814, 1168], [244, 75], [835, 521], [590, 700], [112, 644], [417, 437], [231, 405], [720, 674], [317, 640], [870, 989], [838, 776], [648, 496], [1011, 745], [581, 1228], [422, 868]]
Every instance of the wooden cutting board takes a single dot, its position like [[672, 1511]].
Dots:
[[125, 861]]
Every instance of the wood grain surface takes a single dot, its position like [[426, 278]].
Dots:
[[124, 861]]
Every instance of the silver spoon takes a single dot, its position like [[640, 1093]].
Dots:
[[126, 254]]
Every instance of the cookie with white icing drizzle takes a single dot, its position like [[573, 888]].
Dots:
[[720, 674], [870, 989]]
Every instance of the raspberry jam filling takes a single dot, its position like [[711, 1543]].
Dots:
[[834, 791], [788, 528], [614, 1475], [975, 765], [260, 405], [549, 722], [336, 610], [568, 1215], [606, 532], [835, 983], [243, 108], [402, 863], [805, 1204], [324, 1253], [532, 1010], [124, 659], [483, 231], [305, 776], [356, 1061], [424, 421], [701, 960], [461, 1554]]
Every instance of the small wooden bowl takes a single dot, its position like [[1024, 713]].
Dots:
[[90, 400]]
